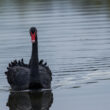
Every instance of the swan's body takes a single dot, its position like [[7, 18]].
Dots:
[[34, 75]]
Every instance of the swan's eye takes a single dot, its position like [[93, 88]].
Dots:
[[32, 31]]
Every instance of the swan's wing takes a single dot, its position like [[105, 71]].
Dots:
[[45, 75], [18, 63], [43, 64], [18, 76]]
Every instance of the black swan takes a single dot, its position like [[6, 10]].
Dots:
[[35, 75]]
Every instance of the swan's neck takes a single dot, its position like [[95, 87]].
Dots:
[[34, 62], [34, 56]]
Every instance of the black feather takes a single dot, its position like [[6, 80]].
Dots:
[[45, 64], [41, 62]]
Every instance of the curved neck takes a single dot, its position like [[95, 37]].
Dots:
[[34, 56], [34, 62]]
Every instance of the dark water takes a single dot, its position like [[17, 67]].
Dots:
[[73, 35], [30, 101]]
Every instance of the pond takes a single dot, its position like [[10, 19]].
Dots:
[[74, 40]]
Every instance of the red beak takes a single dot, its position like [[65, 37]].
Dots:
[[33, 37]]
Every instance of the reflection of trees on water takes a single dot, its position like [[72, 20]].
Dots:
[[92, 2], [79, 3], [76, 2], [24, 2], [47, 6], [30, 100]]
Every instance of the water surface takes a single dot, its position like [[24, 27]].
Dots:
[[73, 36]]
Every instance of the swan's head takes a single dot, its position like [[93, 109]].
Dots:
[[33, 34]]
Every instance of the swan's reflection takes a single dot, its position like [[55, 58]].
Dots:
[[30, 100]]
